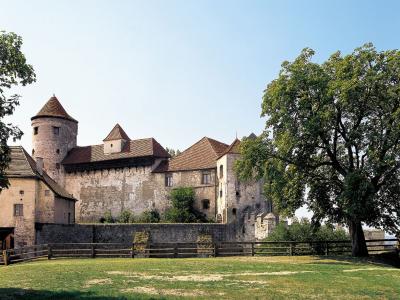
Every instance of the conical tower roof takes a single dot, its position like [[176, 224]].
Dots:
[[53, 109], [117, 133]]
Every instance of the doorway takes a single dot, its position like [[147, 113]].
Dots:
[[6, 238]]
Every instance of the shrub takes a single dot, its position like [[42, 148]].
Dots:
[[182, 210], [304, 231], [151, 216], [107, 218], [305, 235], [126, 217]]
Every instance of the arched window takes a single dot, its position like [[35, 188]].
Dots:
[[221, 171]]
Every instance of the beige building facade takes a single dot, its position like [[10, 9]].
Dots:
[[31, 198]]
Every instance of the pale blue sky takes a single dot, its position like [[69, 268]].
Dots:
[[177, 70]]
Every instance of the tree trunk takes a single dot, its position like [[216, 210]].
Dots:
[[358, 244]]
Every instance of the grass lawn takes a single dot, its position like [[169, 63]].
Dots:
[[208, 278]]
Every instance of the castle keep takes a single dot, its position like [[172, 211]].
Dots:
[[122, 173]]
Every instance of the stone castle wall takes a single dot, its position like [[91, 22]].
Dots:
[[136, 189], [51, 147]]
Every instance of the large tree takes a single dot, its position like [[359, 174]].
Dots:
[[331, 140], [14, 71]]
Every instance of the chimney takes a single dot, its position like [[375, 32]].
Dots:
[[39, 165]]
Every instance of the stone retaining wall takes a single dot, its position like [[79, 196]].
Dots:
[[123, 233]]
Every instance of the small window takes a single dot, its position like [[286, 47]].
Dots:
[[220, 193], [168, 180], [18, 210], [234, 211], [206, 177], [35, 130], [237, 193], [47, 193], [33, 152], [111, 145], [57, 166], [221, 171], [205, 203], [21, 192], [58, 151], [56, 130]]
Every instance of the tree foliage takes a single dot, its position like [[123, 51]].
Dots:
[[332, 140], [303, 231], [182, 210], [172, 151], [14, 71]]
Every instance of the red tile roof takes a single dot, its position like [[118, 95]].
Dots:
[[201, 155], [54, 109], [22, 165], [234, 148], [117, 133], [132, 149]]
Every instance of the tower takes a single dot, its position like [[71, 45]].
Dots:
[[54, 134]]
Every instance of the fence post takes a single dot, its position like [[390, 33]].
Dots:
[[133, 250], [5, 257], [252, 249], [215, 249], [291, 250], [92, 252], [49, 251], [175, 251], [326, 248]]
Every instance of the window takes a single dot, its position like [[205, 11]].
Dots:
[[220, 193], [221, 171], [168, 180], [56, 130], [206, 177], [35, 130], [47, 193], [234, 211], [111, 145], [58, 151], [205, 203], [33, 152], [18, 210], [21, 192]]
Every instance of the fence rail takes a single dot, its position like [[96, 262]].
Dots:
[[180, 250]]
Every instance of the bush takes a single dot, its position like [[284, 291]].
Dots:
[[107, 218], [182, 210], [126, 217], [304, 231], [305, 235], [151, 216]]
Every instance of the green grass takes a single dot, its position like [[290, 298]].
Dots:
[[208, 278]]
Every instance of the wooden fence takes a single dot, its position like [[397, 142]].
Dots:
[[178, 250]]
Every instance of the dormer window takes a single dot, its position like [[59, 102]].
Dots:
[[116, 140]]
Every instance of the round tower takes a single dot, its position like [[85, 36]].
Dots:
[[54, 133]]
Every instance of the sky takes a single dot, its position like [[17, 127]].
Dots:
[[177, 70]]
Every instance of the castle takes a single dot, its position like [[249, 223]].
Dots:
[[138, 174]]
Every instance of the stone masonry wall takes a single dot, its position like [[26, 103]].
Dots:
[[134, 189], [123, 233], [45, 144]]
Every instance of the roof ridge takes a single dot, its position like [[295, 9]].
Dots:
[[35, 172]]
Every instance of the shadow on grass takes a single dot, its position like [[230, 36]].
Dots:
[[17, 294], [389, 259]]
